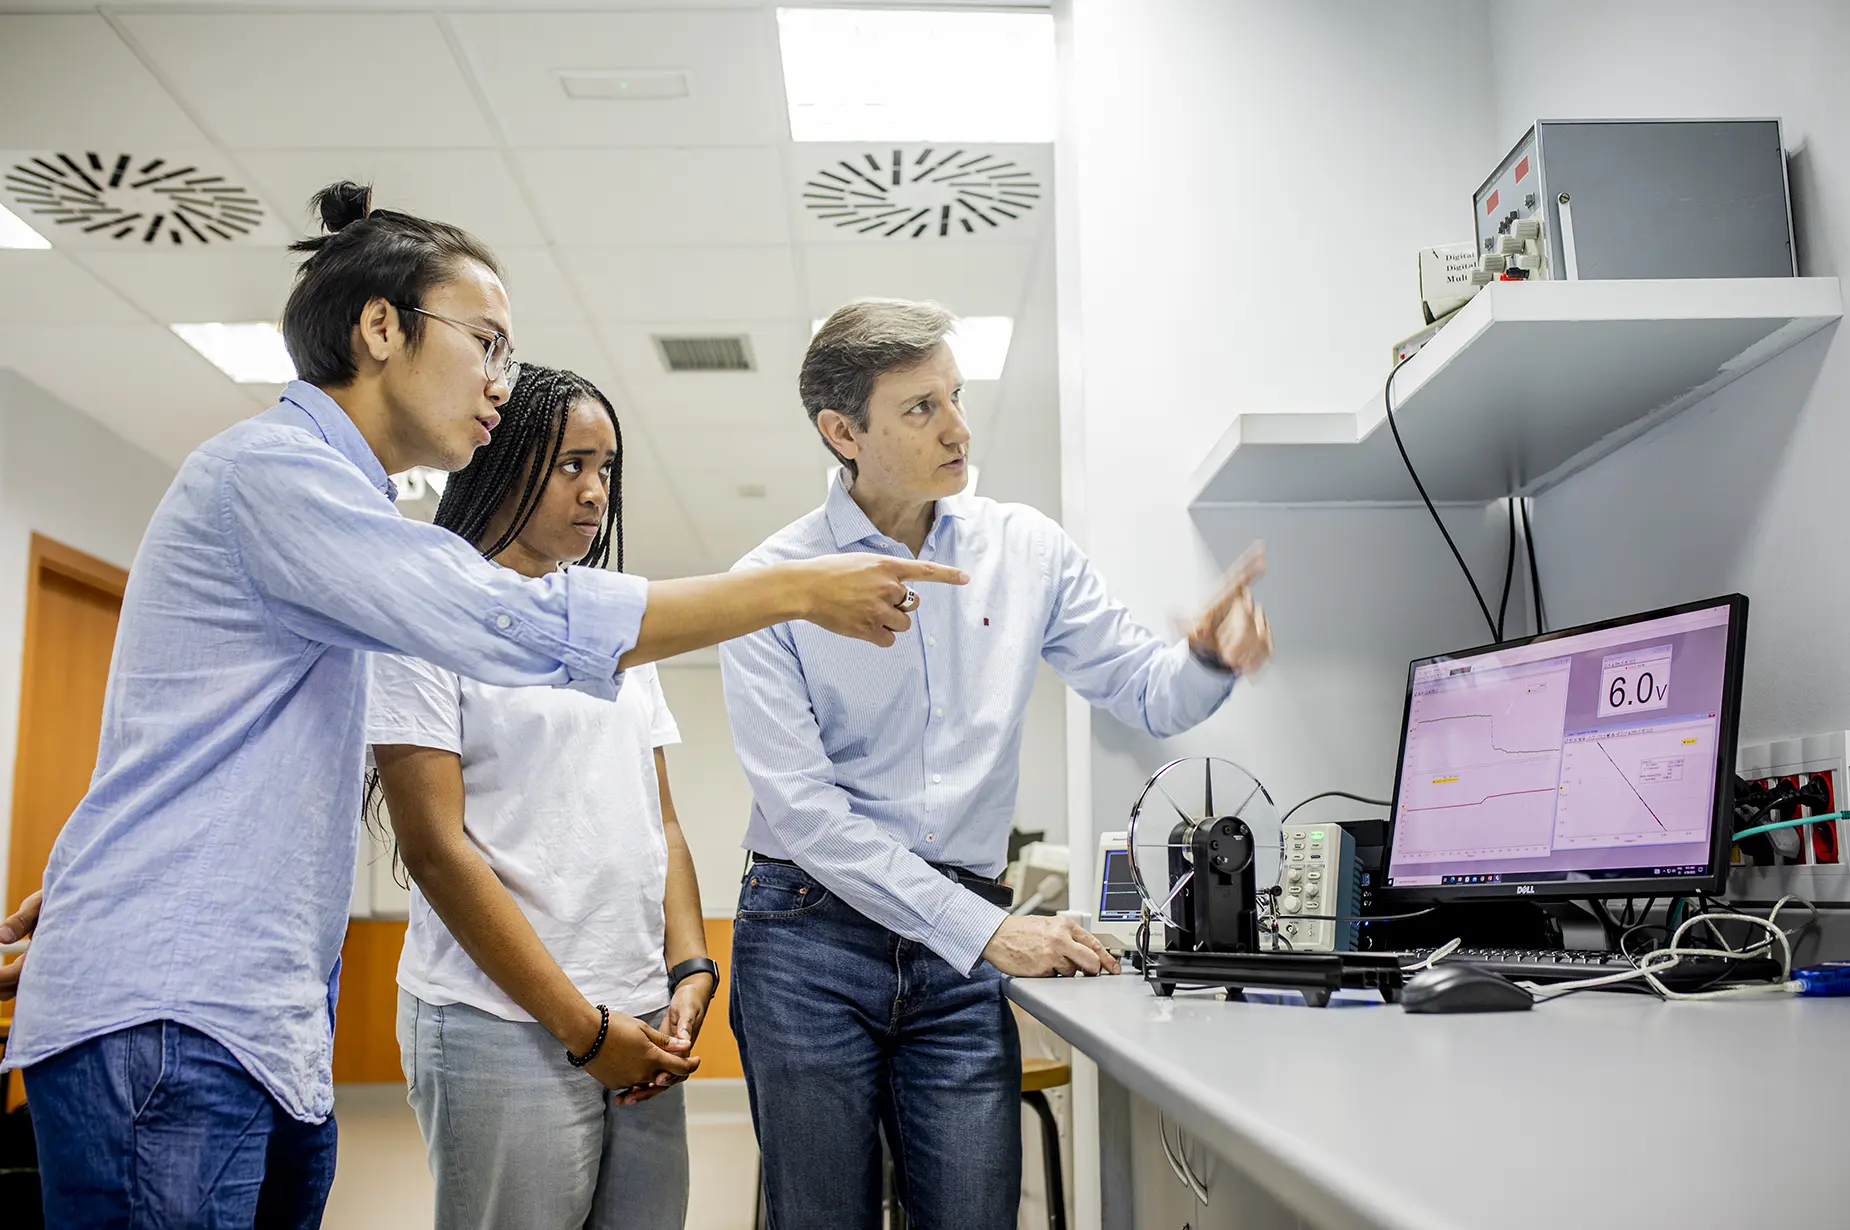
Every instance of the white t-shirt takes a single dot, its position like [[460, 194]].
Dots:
[[561, 798]]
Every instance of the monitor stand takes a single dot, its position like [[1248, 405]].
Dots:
[[1523, 925]]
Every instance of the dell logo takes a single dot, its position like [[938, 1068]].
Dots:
[[1525, 890]]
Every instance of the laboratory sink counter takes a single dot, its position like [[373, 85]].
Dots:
[[1595, 1110]]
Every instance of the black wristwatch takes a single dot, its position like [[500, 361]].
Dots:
[[688, 968]]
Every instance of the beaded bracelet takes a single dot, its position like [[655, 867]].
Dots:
[[579, 1061]]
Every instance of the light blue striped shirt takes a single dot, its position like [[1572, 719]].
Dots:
[[866, 764], [206, 875]]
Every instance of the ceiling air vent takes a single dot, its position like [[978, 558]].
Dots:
[[705, 354], [108, 199], [929, 193]]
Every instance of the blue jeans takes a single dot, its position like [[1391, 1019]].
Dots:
[[158, 1126], [845, 1030], [519, 1139]]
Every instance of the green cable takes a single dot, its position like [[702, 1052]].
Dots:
[[1789, 824]]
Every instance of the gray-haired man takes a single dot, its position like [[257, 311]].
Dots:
[[872, 938]]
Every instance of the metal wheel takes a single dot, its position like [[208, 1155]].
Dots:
[[1178, 798]]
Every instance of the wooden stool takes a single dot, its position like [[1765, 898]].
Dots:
[[1038, 1076]]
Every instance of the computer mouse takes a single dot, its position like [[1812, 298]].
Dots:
[[1463, 988]]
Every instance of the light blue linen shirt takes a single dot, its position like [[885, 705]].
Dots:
[[205, 877], [866, 763]]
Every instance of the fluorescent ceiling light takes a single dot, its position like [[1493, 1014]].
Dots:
[[14, 233], [248, 353], [980, 344], [902, 75]]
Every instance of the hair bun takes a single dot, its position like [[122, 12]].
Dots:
[[342, 203]]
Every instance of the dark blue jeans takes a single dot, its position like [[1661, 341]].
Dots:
[[158, 1126], [846, 1029]]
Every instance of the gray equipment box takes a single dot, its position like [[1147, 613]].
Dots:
[[1619, 199]]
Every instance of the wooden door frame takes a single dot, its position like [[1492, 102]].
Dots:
[[69, 562]]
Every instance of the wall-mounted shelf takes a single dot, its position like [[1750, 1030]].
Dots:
[[1529, 383]]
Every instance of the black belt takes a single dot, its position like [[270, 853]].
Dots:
[[987, 887]]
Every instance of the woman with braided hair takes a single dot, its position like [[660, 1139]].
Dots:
[[551, 884]]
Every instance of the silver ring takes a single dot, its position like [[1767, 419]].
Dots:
[[912, 601]]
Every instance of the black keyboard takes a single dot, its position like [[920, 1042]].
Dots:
[[1531, 965]]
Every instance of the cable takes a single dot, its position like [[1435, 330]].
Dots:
[[1333, 794], [1437, 955], [1184, 1173], [1535, 571], [1673, 954], [1509, 572], [1790, 824], [1387, 402]]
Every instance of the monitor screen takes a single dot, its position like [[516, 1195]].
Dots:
[[1599, 755], [1118, 899]]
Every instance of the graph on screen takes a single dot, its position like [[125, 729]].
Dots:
[[1483, 764], [1648, 785]]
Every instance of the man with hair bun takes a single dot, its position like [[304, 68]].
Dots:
[[175, 1014]]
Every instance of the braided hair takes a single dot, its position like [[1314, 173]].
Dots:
[[523, 451], [516, 463]]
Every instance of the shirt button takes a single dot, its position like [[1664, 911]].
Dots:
[[503, 621], [931, 640], [937, 779], [931, 837], [938, 712]]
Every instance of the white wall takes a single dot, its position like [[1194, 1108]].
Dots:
[[64, 476], [713, 799], [711, 796], [1242, 189], [1744, 491]]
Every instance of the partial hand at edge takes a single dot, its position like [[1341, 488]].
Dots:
[[18, 926]]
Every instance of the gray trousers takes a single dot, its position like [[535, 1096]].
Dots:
[[519, 1139]]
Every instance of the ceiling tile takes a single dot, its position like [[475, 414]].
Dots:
[[537, 290], [200, 284], [472, 189], [50, 67], [49, 288], [685, 283], [314, 80], [570, 346], [969, 279], [659, 196], [735, 83], [150, 387]]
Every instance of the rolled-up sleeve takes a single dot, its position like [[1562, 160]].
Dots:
[[795, 791], [1115, 662], [338, 564]]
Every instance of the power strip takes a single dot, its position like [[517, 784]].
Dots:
[[1320, 875]]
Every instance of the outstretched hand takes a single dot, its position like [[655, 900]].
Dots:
[[866, 596], [1233, 628]]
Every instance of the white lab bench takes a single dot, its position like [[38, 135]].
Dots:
[[1596, 1110]]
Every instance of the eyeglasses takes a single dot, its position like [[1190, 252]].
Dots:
[[498, 357]]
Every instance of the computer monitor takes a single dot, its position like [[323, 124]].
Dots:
[[1595, 762]]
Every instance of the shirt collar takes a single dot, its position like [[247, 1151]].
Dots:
[[339, 432], [850, 525]]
